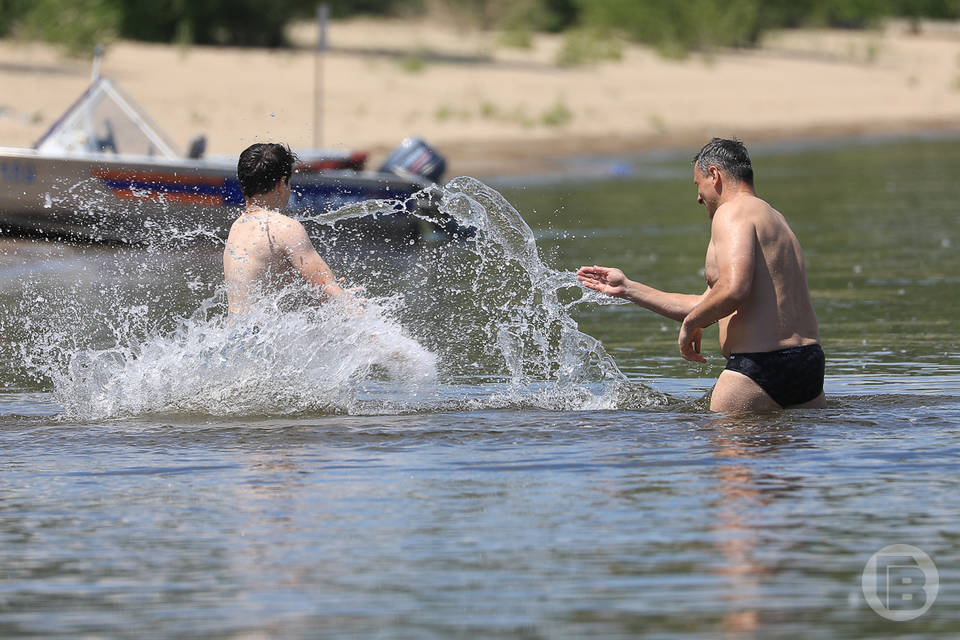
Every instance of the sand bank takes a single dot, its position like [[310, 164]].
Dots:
[[496, 110]]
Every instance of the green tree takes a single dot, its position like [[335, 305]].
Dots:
[[224, 22], [11, 11], [938, 9], [674, 28], [77, 25]]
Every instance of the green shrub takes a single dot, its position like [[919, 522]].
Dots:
[[414, 61], [76, 25], [588, 46], [518, 37], [675, 28], [557, 116], [489, 111]]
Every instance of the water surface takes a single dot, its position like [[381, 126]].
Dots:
[[470, 510]]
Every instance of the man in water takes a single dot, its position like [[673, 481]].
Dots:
[[267, 250], [756, 289]]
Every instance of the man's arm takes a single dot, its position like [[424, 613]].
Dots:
[[734, 240], [305, 260], [612, 282]]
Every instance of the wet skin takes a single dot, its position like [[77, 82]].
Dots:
[[756, 289]]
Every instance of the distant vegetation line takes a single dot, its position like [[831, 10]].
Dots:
[[673, 27]]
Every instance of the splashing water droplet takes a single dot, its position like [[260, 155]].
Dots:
[[478, 321]]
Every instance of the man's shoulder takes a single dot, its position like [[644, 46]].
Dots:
[[743, 210], [285, 224], [281, 218], [236, 230], [291, 234]]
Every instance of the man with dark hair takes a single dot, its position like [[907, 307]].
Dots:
[[262, 166], [266, 249], [756, 289]]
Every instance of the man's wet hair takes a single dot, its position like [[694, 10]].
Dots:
[[730, 156], [262, 166]]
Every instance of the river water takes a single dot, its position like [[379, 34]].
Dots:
[[482, 453]]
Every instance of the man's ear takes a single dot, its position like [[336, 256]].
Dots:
[[716, 178]]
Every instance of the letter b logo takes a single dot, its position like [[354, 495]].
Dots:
[[900, 582]]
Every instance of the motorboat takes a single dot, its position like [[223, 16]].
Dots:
[[106, 172]]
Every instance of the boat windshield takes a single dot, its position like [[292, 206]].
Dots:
[[105, 120]]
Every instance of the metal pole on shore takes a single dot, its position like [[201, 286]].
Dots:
[[323, 13], [97, 57]]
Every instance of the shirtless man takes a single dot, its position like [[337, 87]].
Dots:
[[756, 289], [265, 249]]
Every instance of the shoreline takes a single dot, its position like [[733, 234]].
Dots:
[[516, 160], [521, 164], [497, 112]]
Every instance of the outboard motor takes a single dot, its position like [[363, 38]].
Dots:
[[197, 147], [416, 157]]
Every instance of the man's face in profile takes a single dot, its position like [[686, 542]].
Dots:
[[706, 189]]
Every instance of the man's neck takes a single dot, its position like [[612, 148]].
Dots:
[[256, 207], [738, 190], [258, 204], [274, 201]]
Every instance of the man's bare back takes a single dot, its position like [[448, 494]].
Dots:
[[266, 250]]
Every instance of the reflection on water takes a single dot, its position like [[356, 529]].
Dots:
[[485, 523], [480, 514]]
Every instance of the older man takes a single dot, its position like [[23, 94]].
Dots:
[[756, 289]]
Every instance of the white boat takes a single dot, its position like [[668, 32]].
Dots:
[[105, 172]]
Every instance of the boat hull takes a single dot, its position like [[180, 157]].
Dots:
[[137, 199]]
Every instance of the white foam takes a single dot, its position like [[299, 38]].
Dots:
[[270, 362], [474, 324]]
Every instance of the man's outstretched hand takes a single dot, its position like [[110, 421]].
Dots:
[[603, 279]]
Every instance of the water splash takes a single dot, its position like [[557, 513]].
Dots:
[[306, 360], [86, 208], [479, 322]]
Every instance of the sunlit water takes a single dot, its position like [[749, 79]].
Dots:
[[484, 452]]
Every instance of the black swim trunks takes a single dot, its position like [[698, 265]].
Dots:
[[790, 376]]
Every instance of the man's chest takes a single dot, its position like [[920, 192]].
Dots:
[[710, 270]]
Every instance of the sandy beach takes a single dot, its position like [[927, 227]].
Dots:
[[495, 110]]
